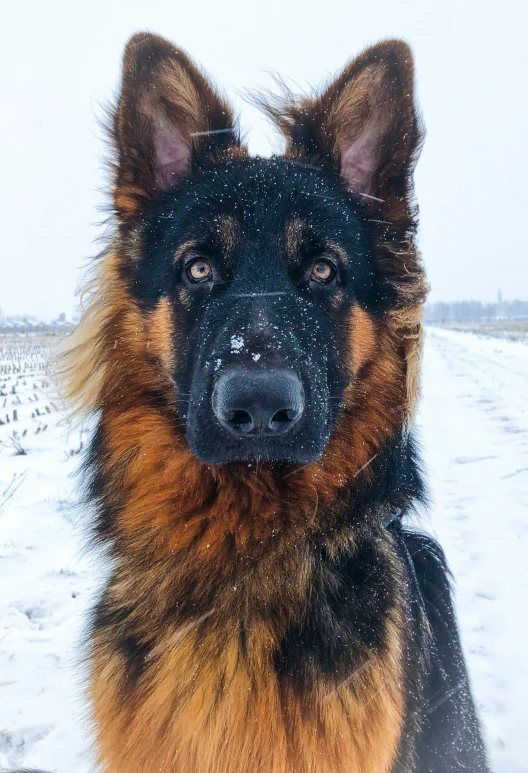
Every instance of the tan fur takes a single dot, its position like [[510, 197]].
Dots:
[[160, 330], [228, 231], [407, 327], [82, 368], [203, 704], [293, 233], [183, 249], [256, 725], [363, 338]]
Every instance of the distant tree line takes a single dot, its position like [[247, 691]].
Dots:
[[475, 311], [26, 323]]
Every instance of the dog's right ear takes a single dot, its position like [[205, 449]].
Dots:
[[364, 125], [168, 116]]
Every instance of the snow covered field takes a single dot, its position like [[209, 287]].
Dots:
[[474, 431]]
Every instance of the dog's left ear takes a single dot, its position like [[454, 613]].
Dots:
[[365, 123], [168, 117]]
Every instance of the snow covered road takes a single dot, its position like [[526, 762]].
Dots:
[[474, 431]]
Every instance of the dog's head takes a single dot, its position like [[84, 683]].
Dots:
[[275, 299]]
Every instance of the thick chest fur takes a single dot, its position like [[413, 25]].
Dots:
[[227, 717], [218, 694]]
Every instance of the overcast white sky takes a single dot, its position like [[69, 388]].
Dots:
[[60, 60]]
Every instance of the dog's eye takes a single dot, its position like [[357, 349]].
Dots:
[[199, 270], [322, 271]]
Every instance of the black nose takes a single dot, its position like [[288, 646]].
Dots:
[[258, 402]]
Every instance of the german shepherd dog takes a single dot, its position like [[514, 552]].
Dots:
[[252, 354]]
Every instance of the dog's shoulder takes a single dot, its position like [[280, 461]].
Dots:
[[430, 574], [450, 736]]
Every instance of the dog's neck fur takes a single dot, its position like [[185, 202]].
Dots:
[[216, 573], [168, 516]]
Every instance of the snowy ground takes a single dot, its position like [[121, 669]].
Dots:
[[474, 429], [44, 582]]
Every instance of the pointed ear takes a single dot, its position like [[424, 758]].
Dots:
[[365, 122], [167, 116]]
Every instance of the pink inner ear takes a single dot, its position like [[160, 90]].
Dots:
[[360, 160], [172, 156]]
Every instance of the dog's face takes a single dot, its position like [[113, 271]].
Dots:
[[265, 275], [262, 262]]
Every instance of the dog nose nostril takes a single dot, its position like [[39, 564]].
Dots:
[[283, 417], [239, 419], [263, 403]]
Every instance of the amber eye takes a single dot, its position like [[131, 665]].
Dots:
[[322, 271], [199, 271]]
